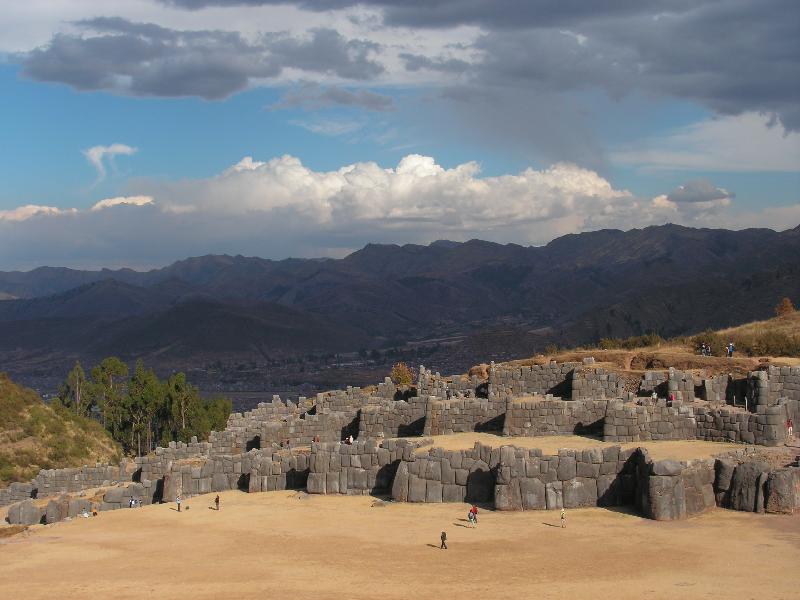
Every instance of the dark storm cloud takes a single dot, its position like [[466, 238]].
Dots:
[[448, 13], [417, 62], [732, 56], [146, 59], [312, 96], [698, 190]]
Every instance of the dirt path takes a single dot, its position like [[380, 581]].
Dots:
[[288, 545]]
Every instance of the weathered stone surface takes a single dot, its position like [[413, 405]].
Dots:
[[554, 495], [400, 483], [567, 468], [57, 510], [453, 493], [507, 497], [533, 494], [666, 499], [745, 486], [417, 489], [433, 491], [25, 513], [220, 482], [316, 483], [782, 491], [667, 467]]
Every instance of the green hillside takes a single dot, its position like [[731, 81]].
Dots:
[[36, 436]]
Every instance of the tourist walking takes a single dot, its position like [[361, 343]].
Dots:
[[178, 502], [474, 512], [216, 501], [444, 541], [790, 427], [731, 348], [563, 518]]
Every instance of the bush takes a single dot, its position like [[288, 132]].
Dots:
[[631, 343], [402, 374], [784, 307]]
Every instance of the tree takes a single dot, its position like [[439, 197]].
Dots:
[[784, 307], [108, 378], [401, 374], [144, 400], [75, 392]]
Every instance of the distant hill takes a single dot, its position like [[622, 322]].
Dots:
[[35, 436], [577, 289]]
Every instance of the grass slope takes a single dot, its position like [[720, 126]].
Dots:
[[36, 436]]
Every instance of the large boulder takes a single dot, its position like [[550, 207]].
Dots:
[[57, 509], [507, 497], [746, 492], [25, 513], [77, 506], [723, 475], [417, 489], [533, 492], [782, 491], [666, 499], [400, 483]]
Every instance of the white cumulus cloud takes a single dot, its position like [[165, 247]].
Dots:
[[280, 207], [23, 213], [131, 200]]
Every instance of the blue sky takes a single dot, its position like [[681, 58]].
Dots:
[[560, 120]]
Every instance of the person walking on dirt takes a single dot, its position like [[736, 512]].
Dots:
[[563, 519], [444, 541], [178, 502], [216, 501], [474, 512], [731, 348]]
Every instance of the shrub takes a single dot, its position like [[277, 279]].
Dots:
[[402, 374], [784, 307]]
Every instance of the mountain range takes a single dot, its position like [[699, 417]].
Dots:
[[576, 289]]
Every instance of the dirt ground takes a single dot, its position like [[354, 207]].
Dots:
[[676, 450], [290, 545]]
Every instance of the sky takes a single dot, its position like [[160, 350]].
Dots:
[[138, 132]]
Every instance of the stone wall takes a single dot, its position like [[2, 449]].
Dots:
[[527, 480], [752, 485], [511, 478], [634, 423], [654, 381], [514, 381], [544, 415], [767, 387], [444, 417], [591, 383], [393, 418], [356, 469], [767, 427], [682, 384], [447, 475]]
